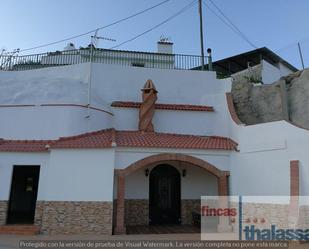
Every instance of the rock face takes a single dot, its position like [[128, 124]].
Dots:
[[285, 99], [298, 99], [256, 103]]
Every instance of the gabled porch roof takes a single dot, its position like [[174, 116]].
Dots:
[[109, 138]]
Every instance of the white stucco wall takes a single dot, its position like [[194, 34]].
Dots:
[[8, 160], [126, 156], [123, 83], [174, 87], [69, 85], [270, 73], [262, 167], [167, 121], [198, 182], [80, 175], [65, 175], [284, 69]]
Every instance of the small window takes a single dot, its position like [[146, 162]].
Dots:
[[29, 184]]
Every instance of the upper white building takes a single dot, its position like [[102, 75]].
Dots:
[[267, 67]]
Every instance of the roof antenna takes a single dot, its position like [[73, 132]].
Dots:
[[95, 39], [6, 58]]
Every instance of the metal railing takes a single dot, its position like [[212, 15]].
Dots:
[[118, 57]]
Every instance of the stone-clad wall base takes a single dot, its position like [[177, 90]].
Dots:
[[58, 217], [136, 212], [262, 215], [276, 214], [304, 217], [3, 212], [187, 207], [39, 213]]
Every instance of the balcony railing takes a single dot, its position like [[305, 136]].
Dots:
[[105, 56]]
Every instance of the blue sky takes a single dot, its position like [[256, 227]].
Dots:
[[277, 24]]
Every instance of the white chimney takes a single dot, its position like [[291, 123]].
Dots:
[[165, 46]]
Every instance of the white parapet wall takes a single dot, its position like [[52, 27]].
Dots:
[[52, 102]]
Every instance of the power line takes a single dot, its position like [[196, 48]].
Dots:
[[102, 27], [225, 22], [292, 44], [230, 24], [158, 25]]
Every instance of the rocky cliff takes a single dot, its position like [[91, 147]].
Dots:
[[285, 99]]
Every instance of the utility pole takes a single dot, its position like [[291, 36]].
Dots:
[[201, 34], [301, 55]]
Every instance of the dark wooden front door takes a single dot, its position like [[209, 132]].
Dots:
[[23, 195], [164, 195]]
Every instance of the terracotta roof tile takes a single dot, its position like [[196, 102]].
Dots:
[[176, 107], [97, 139], [167, 140], [110, 137], [24, 145]]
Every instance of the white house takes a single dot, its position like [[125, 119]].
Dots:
[[132, 157], [264, 65]]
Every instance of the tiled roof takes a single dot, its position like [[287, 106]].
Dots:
[[167, 140], [176, 107], [97, 139], [24, 145], [110, 138]]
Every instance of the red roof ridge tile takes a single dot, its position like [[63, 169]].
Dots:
[[86, 134], [165, 106], [159, 133]]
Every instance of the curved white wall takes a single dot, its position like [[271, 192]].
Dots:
[[50, 122], [69, 85]]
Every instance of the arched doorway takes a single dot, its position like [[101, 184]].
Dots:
[[159, 159], [164, 195]]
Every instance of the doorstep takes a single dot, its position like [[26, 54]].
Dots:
[[19, 229]]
